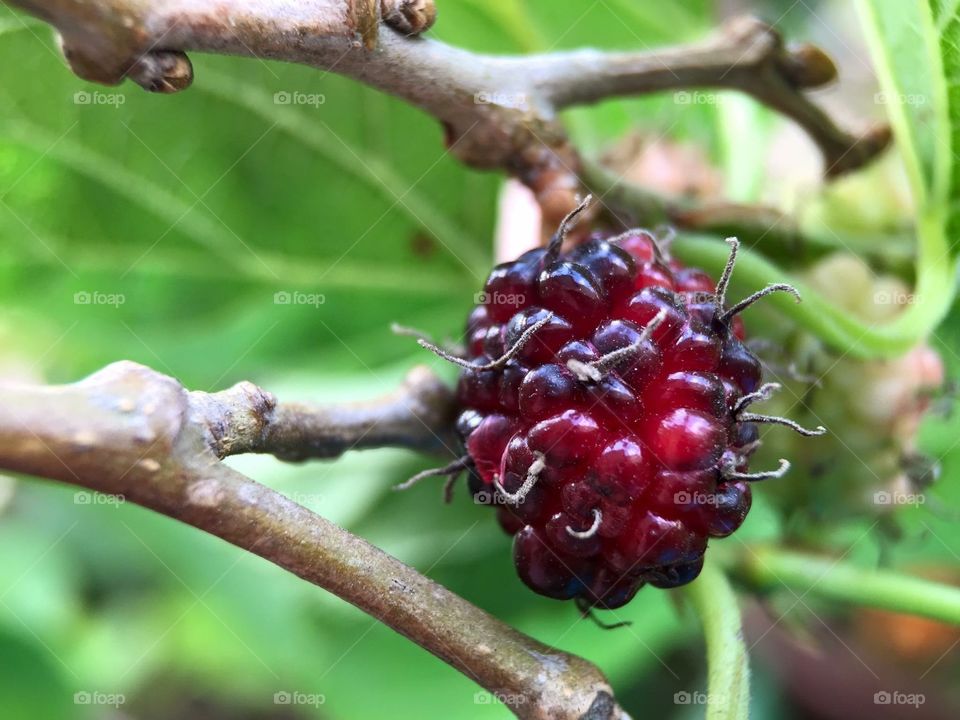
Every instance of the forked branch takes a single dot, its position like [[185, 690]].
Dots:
[[128, 430], [498, 112]]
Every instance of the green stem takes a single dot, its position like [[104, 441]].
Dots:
[[728, 677], [834, 326], [772, 568], [933, 293]]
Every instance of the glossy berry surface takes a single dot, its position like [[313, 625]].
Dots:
[[609, 441]]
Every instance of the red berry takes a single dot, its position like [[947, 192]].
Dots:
[[611, 447]]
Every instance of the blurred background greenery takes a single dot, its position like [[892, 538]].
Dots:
[[196, 209]]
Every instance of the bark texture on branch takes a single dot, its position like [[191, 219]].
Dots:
[[498, 112], [128, 430]]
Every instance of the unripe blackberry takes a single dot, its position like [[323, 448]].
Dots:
[[604, 402]]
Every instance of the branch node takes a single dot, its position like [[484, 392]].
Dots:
[[410, 17], [162, 71], [806, 67]]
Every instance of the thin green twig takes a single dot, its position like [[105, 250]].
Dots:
[[728, 677], [771, 568]]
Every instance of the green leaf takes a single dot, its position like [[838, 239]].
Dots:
[[914, 47], [728, 679]]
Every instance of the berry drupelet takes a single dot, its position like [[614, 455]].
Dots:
[[604, 413]]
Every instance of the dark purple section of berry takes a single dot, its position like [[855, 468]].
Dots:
[[629, 455]]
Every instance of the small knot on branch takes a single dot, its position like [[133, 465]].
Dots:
[[162, 71], [806, 66], [410, 17]]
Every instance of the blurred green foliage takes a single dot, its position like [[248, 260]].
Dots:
[[197, 209]]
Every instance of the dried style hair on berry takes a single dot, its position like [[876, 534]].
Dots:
[[605, 400]]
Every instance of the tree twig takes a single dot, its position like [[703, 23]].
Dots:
[[245, 419], [130, 431], [498, 112]]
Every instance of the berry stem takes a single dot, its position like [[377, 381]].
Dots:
[[728, 673], [769, 568]]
